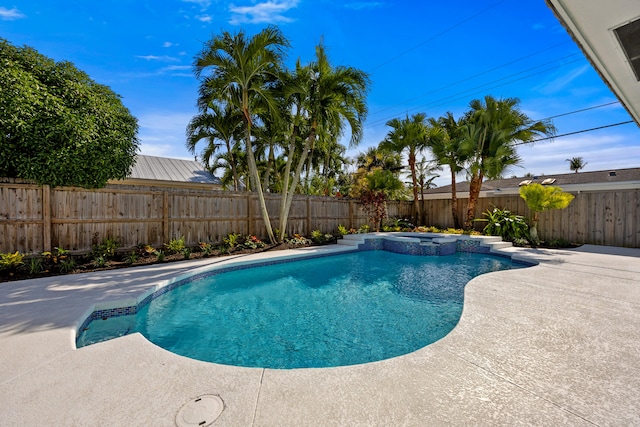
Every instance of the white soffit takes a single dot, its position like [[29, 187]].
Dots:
[[591, 24]]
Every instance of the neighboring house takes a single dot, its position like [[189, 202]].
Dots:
[[167, 172], [609, 180]]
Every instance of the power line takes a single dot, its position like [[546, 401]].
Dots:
[[466, 93], [580, 111], [481, 74], [464, 21], [575, 133]]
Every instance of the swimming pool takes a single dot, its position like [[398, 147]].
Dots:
[[330, 311]]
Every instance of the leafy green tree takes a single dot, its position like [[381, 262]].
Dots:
[[244, 71], [492, 128], [59, 127], [331, 99], [445, 145], [576, 164], [410, 135], [381, 184], [216, 124], [541, 198]]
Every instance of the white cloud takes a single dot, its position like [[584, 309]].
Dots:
[[204, 18], [157, 58], [269, 12], [10, 14], [169, 44]]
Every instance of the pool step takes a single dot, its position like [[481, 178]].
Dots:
[[351, 239], [497, 244]]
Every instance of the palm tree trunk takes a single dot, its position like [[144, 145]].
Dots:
[[454, 199], [271, 161], [255, 180], [234, 170], [284, 214], [474, 192], [285, 184], [414, 181]]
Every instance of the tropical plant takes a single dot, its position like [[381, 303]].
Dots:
[[34, 265], [132, 258], [232, 240], [11, 261], [206, 248], [492, 128], [175, 245], [99, 261], [342, 230], [445, 144], [410, 135], [330, 98], [159, 256], [216, 124], [67, 265], [56, 255], [541, 198], [576, 164], [59, 127], [244, 70], [505, 224], [380, 184], [186, 252], [106, 249]]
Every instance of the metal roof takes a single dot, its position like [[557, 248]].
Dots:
[[167, 169]]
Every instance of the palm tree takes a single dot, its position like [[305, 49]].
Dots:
[[330, 98], [490, 133], [410, 135], [576, 164], [426, 174], [445, 145], [243, 72], [216, 124]]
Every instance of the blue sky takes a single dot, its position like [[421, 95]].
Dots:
[[430, 57]]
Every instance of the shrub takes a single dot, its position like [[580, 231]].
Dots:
[[505, 224], [364, 228], [67, 265], [132, 258], [99, 261], [106, 249], [232, 240], [34, 265], [317, 236], [252, 242], [342, 230], [186, 253], [159, 256], [297, 239], [175, 245], [55, 256], [11, 261], [206, 248]]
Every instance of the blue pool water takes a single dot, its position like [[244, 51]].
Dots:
[[330, 311]]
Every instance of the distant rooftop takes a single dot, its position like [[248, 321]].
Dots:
[[167, 169], [560, 180]]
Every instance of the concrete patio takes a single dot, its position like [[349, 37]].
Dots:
[[553, 344]]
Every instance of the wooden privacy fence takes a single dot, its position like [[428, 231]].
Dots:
[[608, 218], [37, 218]]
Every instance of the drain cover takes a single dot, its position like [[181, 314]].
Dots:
[[200, 412]]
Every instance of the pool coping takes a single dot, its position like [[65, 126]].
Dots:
[[538, 346]]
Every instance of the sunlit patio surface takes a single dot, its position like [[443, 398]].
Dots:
[[553, 344]]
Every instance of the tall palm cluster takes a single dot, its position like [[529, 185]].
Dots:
[[273, 129], [482, 142]]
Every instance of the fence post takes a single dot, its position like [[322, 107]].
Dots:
[[165, 216], [46, 218]]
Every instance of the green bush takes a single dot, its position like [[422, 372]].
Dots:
[[106, 249], [342, 230], [175, 245], [505, 224], [11, 261], [232, 240]]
